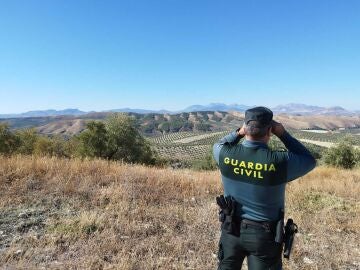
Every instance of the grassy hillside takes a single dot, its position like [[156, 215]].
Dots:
[[71, 214]]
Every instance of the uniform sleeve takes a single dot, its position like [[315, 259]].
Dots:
[[231, 139], [300, 160]]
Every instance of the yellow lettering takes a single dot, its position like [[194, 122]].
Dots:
[[250, 165], [265, 167], [272, 167], [234, 161], [242, 164], [236, 170], [258, 166], [226, 160], [260, 175], [248, 172]]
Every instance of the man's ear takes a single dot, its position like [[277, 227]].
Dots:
[[246, 129], [269, 131]]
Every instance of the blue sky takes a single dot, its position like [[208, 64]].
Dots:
[[99, 55]]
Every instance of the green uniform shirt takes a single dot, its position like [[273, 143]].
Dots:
[[256, 176]]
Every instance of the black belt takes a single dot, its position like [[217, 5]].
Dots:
[[267, 225]]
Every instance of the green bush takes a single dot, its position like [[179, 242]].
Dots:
[[28, 142], [208, 163], [55, 146], [316, 151], [125, 142], [116, 139], [93, 140], [343, 156], [27, 139], [8, 141], [357, 157]]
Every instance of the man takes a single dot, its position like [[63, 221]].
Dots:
[[255, 178]]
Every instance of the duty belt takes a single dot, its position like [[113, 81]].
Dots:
[[267, 225]]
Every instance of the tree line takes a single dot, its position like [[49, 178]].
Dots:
[[116, 138]]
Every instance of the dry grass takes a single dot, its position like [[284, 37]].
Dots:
[[72, 214]]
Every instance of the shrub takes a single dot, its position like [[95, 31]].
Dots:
[[55, 146], [8, 141], [357, 157], [93, 140], [208, 163], [27, 139], [343, 155], [125, 142], [43, 147], [115, 139]]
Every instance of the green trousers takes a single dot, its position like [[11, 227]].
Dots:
[[256, 244]]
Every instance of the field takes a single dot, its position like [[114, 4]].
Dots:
[[72, 214], [191, 146], [185, 145]]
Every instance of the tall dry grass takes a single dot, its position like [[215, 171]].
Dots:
[[72, 214]]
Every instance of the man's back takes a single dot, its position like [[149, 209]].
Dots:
[[254, 179], [256, 176]]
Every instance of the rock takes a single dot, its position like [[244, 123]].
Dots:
[[308, 260], [18, 252], [23, 215]]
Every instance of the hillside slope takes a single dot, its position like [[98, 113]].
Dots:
[[71, 214], [155, 124]]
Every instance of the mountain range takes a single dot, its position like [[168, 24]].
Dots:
[[291, 108], [44, 113], [161, 123]]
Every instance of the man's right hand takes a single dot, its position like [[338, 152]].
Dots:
[[241, 131], [277, 129]]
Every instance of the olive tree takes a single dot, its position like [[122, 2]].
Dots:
[[118, 138], [125, 141], [343, 155], [93, 140]]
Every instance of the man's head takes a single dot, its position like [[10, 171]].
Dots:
[[258, 123]]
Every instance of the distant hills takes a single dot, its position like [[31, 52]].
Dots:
[[200, 121], [291, 108], [44, 113], [302, 109], [217, 107]]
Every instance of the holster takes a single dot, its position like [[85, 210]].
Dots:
[[231, 226], [229, 223], [290, 230], [279, 233]]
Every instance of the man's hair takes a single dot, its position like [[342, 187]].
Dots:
[[256, 130]]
